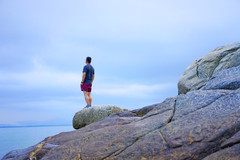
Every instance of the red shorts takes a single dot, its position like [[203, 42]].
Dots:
[[86, 87]]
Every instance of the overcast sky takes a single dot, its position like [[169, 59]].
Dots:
[[139, 50]]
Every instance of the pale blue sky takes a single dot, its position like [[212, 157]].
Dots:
[[139, 49]]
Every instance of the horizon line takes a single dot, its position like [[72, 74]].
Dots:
[[25, 126]]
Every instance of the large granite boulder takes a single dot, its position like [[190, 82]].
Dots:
[[201, 70], [93, 114], [200, 124]]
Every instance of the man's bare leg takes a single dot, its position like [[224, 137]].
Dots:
[[85, 96], [89, 98]]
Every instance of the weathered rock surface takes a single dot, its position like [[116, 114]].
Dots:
[[232, 153], [201, 70], [201, 124], [93, 114], [226, 79]]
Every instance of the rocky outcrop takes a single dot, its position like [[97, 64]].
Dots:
[[203, 123], [201, 70], [93, 114]]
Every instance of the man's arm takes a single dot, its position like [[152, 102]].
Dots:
[[92, 77], [83, 77]]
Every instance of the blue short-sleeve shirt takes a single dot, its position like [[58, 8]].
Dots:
[[89, 73]]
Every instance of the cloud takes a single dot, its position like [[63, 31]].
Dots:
[[41, 76], [131, 90], [119, 20]]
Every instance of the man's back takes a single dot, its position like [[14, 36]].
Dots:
[[89, 73]]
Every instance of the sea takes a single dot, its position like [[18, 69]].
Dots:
[[12, 138]]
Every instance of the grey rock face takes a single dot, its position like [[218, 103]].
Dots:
[[226, 79], [142, 111], [232, 153], [201, 70], [196, 100], [231, 141], [93, 114], [204, 128]]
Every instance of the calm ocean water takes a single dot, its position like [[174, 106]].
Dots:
[[23, 137]]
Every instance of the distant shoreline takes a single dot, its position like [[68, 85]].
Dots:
[[33, 126]]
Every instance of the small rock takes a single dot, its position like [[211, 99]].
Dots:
[[93, 114]]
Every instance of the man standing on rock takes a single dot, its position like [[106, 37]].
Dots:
[[87, 79]]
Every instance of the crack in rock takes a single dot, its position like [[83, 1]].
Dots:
[[235, 139], [174, 110], [118, 152]]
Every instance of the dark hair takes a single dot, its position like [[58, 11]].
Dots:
[[88, 59]]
